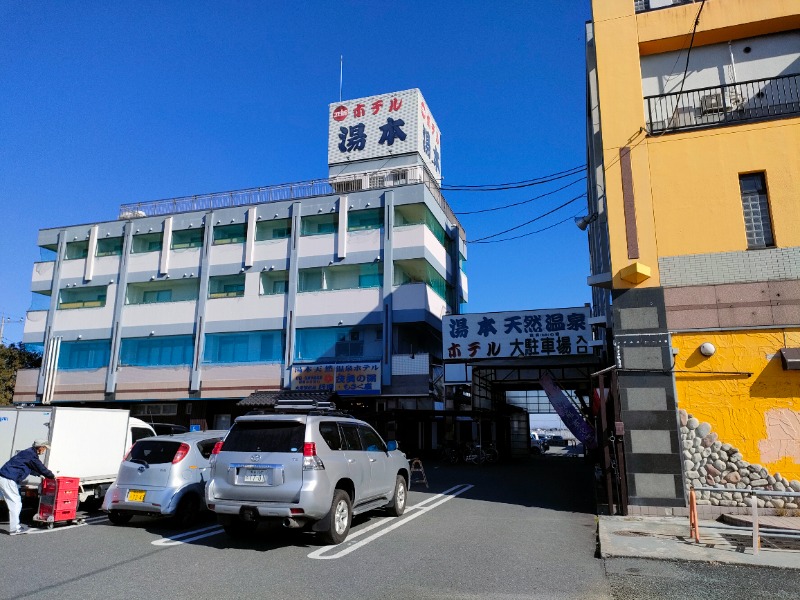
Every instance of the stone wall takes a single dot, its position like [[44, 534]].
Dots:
[[710, 462]]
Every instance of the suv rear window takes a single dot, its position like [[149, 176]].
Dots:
[[266, 436], [154, 452]]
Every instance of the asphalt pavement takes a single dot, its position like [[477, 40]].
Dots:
[[523, 531]]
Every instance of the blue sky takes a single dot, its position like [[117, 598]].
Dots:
[[116, 102]]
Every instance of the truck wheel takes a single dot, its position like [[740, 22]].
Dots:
[[119, 518], [340, 518], [188, 511], [398, 504]]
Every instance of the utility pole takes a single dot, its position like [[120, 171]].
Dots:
[[3, 320]]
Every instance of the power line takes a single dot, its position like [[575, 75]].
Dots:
[[496, 187], [568, 202], [484, 210], [516, 237]]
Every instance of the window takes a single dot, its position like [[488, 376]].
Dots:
[[351, 440], [165, 351], [244, 347], [276, 229], [150, 410], [274, 282], [156, 296], [344, 277], [339, 343], [358, 220], [111, 246], [419, 214], [329, 430], [187, 238], [266, 436], [755, 204], [371, 440], [230, 234], [155, 292], [226, 286], [91, 297], [147, 242], [319, 224], [88, 354], [77, 250], [420, 271], [154, 452]]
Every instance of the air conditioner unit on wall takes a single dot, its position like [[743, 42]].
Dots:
[[711, 104]]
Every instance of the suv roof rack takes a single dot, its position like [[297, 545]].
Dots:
[[288, 410]]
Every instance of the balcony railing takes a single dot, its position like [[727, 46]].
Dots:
[[757, 100], [341, 184], [646, 5]]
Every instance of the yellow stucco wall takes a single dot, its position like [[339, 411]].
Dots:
[[685, 185], [759, 415], [694, 178]]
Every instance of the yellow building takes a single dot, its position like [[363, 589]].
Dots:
[[694, 231]]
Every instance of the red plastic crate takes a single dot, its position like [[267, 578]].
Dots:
[[61, 511], [63, 514], [60, 485]]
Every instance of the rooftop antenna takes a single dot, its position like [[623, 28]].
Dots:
[[341, 68]]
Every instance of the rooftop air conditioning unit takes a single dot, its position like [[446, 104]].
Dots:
[[711, 104]]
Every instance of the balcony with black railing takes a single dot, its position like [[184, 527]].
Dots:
[[745, 102], [647, 5]]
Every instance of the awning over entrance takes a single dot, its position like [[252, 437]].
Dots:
[[790, 358], [285, 399]]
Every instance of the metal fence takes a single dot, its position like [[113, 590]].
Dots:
[[341, 184], [756, 100], [757, 530]]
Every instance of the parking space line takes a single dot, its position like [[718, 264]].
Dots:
[[188, 536], [421, 508]]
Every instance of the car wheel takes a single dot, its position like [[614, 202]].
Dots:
[[188, 510], [536, 450], [340, 518], [119, 518], [398, 504]]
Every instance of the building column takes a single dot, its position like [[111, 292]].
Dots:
[[643, 353]]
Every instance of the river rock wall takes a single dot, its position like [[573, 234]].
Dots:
[[710, 462]]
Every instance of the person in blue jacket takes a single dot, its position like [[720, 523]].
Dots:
[[13, 473]]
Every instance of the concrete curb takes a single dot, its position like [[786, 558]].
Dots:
[[667, 538]]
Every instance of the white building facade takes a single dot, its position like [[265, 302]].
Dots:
[[183, 307]]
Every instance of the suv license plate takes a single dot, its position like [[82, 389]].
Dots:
[[255, 476], [136, 495]]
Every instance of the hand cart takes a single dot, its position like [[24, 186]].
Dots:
[[58, 501]]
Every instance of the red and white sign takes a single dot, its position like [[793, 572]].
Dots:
[[382, 126]]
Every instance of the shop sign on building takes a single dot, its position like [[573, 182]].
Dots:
[[383, 126], [348, 379], [518, 334]]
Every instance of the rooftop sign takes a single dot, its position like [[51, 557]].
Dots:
[[383, 126]]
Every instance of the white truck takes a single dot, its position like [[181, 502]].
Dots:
[[88, 443]]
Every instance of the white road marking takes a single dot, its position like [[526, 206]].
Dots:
[[423, 507], [188, 536]]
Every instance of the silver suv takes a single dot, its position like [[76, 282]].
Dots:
[[312, 470]]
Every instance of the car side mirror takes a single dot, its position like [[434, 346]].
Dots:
[[391, 445]]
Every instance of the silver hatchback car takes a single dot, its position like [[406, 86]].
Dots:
[[313, 470], [163, 475]]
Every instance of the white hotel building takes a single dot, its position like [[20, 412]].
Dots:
[[180, 309]]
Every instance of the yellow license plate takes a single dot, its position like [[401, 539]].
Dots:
[[136, 495]]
